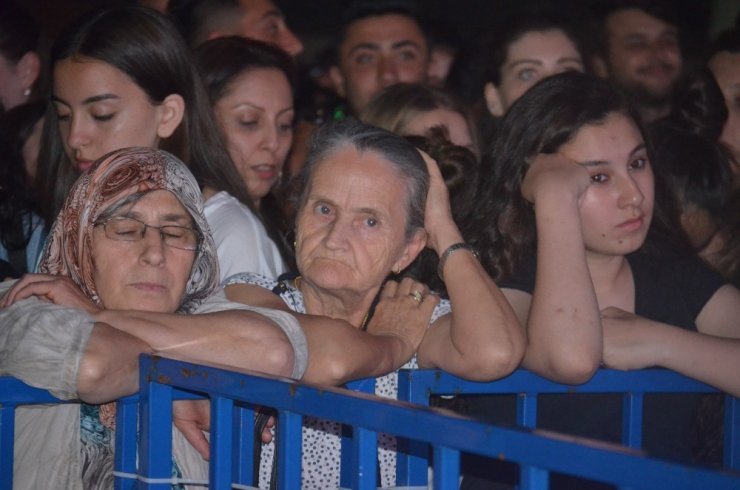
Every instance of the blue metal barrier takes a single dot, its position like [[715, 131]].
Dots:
[[417, 386], [368, 415], [232, 397]]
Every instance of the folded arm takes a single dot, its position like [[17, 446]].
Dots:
[[481, 338], [339, 351], [563, 321]]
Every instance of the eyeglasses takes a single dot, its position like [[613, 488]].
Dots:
[[125, 229]]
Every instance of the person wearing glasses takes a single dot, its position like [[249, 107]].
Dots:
[[131, 271]]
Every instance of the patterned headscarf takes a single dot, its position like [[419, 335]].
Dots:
[[116, 176]]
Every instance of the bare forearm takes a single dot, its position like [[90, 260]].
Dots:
[[237, 339], [340, 352], [564, 329], [109, 368], [712, 360], [482, 338]]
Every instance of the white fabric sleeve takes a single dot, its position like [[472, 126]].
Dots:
[[42, 344], [242, 243], [284, 320]]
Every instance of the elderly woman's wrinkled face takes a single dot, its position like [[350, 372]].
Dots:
[[148, 274], [350, 232]]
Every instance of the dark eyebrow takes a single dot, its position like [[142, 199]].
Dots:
[[405, 44], [89, 100], [275, 13], [525, 61], [597, 163], [364, 45]]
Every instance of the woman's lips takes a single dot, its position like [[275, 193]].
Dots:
[[83, 165], [266, 172], [149, 287], [632, 224]]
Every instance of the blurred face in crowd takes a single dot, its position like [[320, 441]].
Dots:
[[726, 68], [458, 131], [256, 116], [643, 56], [263, 21], [534, 56], [100, 109], [377, 52]]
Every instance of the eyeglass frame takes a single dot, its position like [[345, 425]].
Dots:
[[198, 234]]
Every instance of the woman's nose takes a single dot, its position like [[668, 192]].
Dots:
[[78, 135], [153, 245], [336, 238], [630, 193]]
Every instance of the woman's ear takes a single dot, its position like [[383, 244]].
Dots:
[[412, 249], [172, 111], [493, 100], [29, 69]]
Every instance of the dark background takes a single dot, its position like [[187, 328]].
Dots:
[[315, 20]]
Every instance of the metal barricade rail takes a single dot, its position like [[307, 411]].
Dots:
[[417, 386], [144, 445]]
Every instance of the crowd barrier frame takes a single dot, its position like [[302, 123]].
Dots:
[[417, 386], [232, 396]]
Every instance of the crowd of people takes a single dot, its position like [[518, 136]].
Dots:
[[559, 198]]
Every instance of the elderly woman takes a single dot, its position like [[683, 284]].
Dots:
[[129, 268], [369, 205]]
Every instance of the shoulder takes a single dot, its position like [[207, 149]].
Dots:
[[674, 289], [251, 278], [223, 205], [282, 287]]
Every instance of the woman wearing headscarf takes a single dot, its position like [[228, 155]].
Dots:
[[129, 268]]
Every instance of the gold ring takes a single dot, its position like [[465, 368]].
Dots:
[[417, 296]]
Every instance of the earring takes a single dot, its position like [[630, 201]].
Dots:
[[27, 92]]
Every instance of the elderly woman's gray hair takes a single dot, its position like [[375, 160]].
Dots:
[[399, 153]]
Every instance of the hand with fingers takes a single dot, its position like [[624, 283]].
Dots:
[[59, 290], [557, 173], [404, 311], [438, 221]]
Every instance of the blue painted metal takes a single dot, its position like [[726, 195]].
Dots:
[[243, 447], [542, 451], [419, 385], [127, 428], [222, 423], [732, 433], [234, 394]]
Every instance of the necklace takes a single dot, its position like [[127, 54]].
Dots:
[[363, 326]]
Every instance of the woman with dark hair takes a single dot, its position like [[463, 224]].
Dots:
[[369, 203], [412, 109], [566, 216], [582, 201], [21, 229], [20, 63], [22, 126], [523, 52], [124, 77], [698, 175], [250, 85], [724, 62]]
